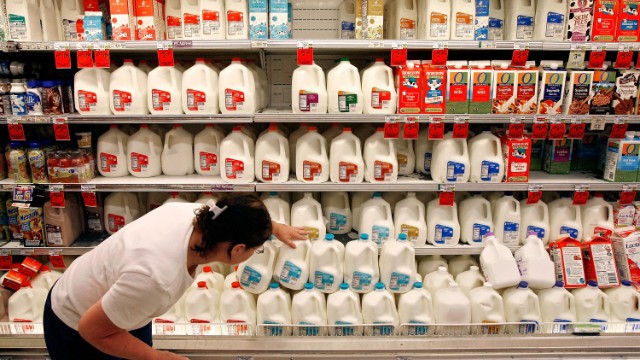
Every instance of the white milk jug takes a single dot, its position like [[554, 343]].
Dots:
[[462, 19], [173, 19], [176, 314], [443, 227], [214, 280], [592, 304], [565, 219], [450, 162], [404, 20], [406, 157], [236, 152], [237, 306], [309, 307], [535, 217], [534, 263], [469, 280], [200, 89], [376, 219], [272, 156], [498, 264], [206, 154], [361, 271], [332, 132], [378, 88], [624, 303], [46, 278], [144, 150], [307, 213], [346, 163], [410, 218], [461, 263], [431, 263], [416, 307], [423, 149], [557, 304], [379, 308], [237, 89], [27, 305], [292, 266], [485, 156], [178, 152], [256, 273], [519, 19], [127, 90], [112, 153], [597, 218], [344, 90], [380, 158], [214, 22], [293, 141], [231, 278], [274, 308], [398, 265], [487, 306], [308, 90], [496, 20], [451, 306], [326, 264], [24, 20], [434, 19], [91, 91], [278, 208], [237, 19], [49, 18], [476, 220], [437, 280], [312, 161], [262, 84], [71, 12], [506, 216], [343, 308], [164, 95], [357, 200], [347, 20], [521, 304], [335, 207], [551, 17], [201, 304]]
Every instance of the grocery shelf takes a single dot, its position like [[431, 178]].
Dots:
[[78, 248], [130, 119]]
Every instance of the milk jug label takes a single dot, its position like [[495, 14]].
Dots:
[[411, 231], [337, 222], [87, 100], [210, 22], [417, 330], [313, 233], [19, 104], [17, 27], [115, 222], [196, 100], [380, 330], [348, 30], [399, 281], [572, 232], [348, 172], [108, 162], [174, 27], [379, 234], [524, 29], [347, 102], [443, 234], [139, 162], [427, 162], [234, 169], [311, 171], [191, 25], [479, 232], [403, 162], [380, 98], [290, 273], [569, 266], [235, 23], [161, 100], [323, 281], [54, 235], [361, 281], [496, 29], [464, 24], [233, 99], [489, 171], [270, 171], [439, 25], [407, 29], [250, 278], [455, 171], [539, 231], [555, 25], [308, 101], [208, 161], [382, 171], [121, 100], [511, 233], [604, 264]]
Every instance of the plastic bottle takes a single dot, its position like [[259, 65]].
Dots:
[[173, 19], [451, 306], [237, 19], [200, 304], [496, 20], [434, 19], [450, 162], [404, 20], [361, 271], [437, 280], [398, 265], [380, 158], [344, 89], [332, 132], [346, 162], [307, 213], [27, 305], [410, 219], [592, 304], [461, 263], [206, 155], [293, 141], [431, 263], [71, 12], [175, 315], [24, 20], [506, 216], [200, 88], [256, 273], [557, 304], [46, 278], [376, 219], [308, 90], [406, 157], [469, 280], [565, 219], [312, 161], [379, 308], [214, 280], [213, 21], [521, 305], [550, 21], [278, 208], [347, 20], [262, 83], [535, 217], [624, 303], [49, 16], [144, 150], [487, 306], [485, 157], [597, 218], [178, 152], [415, 307], [335, 207], [309, 307], [534, 263], [519, 19], [326, 264], [443, 227], [164, 95], [91, 91], [462, 19], [476, 220], [238, 306], [423, 149], [292, 265], [127, 90], [272, 157], [378, 86], [498, 264], [236, 152], [343, 308], [120, 209], [237, 89]]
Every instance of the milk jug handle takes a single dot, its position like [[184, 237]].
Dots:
[[135, 78], [34, 304], [167, 140], [120, 145], [605, 304], [390, 82], [319, 74], [283, 149], [126, 206]]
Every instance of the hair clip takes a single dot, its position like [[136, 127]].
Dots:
[[217, 211]]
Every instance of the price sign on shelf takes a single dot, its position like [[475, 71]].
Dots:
[[624, 58], [447, 194], [305, 53], [16, 131], [165, 54], [557, 128], [85, 59], [540, 128], [597, 57], [436, 128], [628, 194], [619, 129], [399, 55], [56, 194], [62, 55], [61, 129], [576, 129], [391, 127], [102, 57], [577, 56], [534, 194], [460, 127], [516, 127], [411, 128], [440, 54], [581, 195], [520, 55], [57, 260], [5, 260], [89, 195]]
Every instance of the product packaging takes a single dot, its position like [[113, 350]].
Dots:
[[624, 215], [537, 153], [557, 156], [481, 26], [32, 226], [527, 90], [30, 267], [409, 84], [622, 160], [552, 89], [369, 19], [150, 20], [567, 256], [628, 18], [604, 83], [278, 19], [259, 19], [600, 263], [585, 153], [94, 26], [457, 89], [504, 89], [605, 20], [123, 20], [481, 78], [15, 280], [626, 96], [626, 247], [580, 20], [517, 158], [576, 100], [435, 85]]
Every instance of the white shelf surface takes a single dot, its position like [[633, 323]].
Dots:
[[14, 248], [131, 119]]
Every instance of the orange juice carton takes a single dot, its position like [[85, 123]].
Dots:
[[409, 85], [604, 84], [626, 248], [577, 92], [458, 87], [628, 19], [517, 158], [580, 20], [123, 19], [605, 20], [566, 254], [434, 80], [480, 91], [150, 20], [527, 89], [551, 91], [504, 88], [600, 262]]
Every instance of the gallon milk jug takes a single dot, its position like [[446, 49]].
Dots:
[[415, 307], [231, 278], [534, 263], [451, 306], [144, 150], [164, 95], [293, 141], [551, 17], [379, 308], [49, 17], [398, 264], [27, 305], [24, 20], [213, 20], [406, 157], [177, 153], [278, 208], [376, 219], [521, 304], [332, 132], [361, 271], [378, 87], [112, 153], [335, 207], [475, 220], [434, 19], [274, 308], [256, 273], [443, 227], [272, 156], [71, 12], [292, 266], [201, 304], [450, 162], [344, 89], [347, 20], [91, 91], [597, 218], [469, 280], [127, 90], [173, 19], [200, 88], [557, 304], [437, 280], [410, 219], [345, 162], [237, 19], [624, 302], [431, 263], [423, 149], [206, 152], [535, 217], [214, 280], [176, 314], [357, 200], [565, 219], [462, 19], [262, 83], [496, 20], [307, 213], [487, 306], [343, 308], [309, 307], [498, 264], [308, 90], [237, 89], [519, 19], [506, 216], [46, 278], [592, 304], [326, 264], [238, 306], [380, 158], [404, 20], [485, 156], [312, 161], [120, 209], [236, 153], [461, 263]]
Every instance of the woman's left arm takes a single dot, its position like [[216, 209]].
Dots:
[[288, 234]]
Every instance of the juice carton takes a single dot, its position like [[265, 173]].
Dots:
[[552, 88], [580, 20], [567, 256], [32, 226], [604, 83], [623, 215], [457, 88], [557, 156], [626, 96], [537, 152], [369, 19], [278, 19], [517, 158], [123, 20], [435, 85], [527, 90], [504, 89], [585, 153], [622, 160], [576, 100], [605, 20], [600, 263], [626, 247], [409, 85], [150, 20], [258, 19], [628, 18], [481, 78]]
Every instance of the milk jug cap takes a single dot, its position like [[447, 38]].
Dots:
[[380, 129], [175, 126], [379, 286], [274, 285], [402, 237], [235, 285], [33, 84], [128, 61], [199, 60], [308, 286], [476, 193], [346, 129], [344, 59], [377, 194], [273, 194], [599, 195], [144, 126], [207, 269], [474, 268], [487, 285], [523, 285], [559, 284], [344, 286], [45, 268], [629, 135], [592, 283], [237, 129], [453, 285], [508, 193], [113, 126], [14, 145], [235, 268], [417, 285], [313, 128], [34, 144], [411, 194], [625, 283], [202, 284], [442, 269], [329, 237], [273, 127], [236, 60], [364, 237], [380, 60]]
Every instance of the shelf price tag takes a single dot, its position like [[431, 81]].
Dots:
[[447, 194], [61, 129], [516, 127], [85, 59], [165, 53], [460, 127], [619, 129], [57, 260], [598, 124], [56, 194], [577, 55], [5, 259], [628, 194], [89, 195], [440, 54], [520, 55], [23, 193], [391, 127], [16, 131], [399, 55], [597, 57], [540, 128], [624, 57], [436, 128], [411, 128], [557, 128], [581, 195], [576, 129], [534, 194], [62, 55], [102, 56], [305, 53]]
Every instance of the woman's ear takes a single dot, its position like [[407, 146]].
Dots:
[[238, 249]]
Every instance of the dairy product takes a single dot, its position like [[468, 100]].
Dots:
[[112, 153], [406, 157], [567, 257], [622, 159], [237, 88], [347, 20], [309, 307], [91, 91], [326, 264], [576, 100], [462, 18], [144, 150], [357, 199], [442, 224], [597, 218], [27, 305], [451, 306], [200, 89], [120, 209], [292, 266], [361, 269], [178, 152], [480, 86], [397, 265], [24, 20], [507, 219], [557, 304], [485, 155], [274, 308], [346, 162], [552, 90], [431, 263], [127, 89], [213, 279], [71, 14], [163, 94], [206, 153], [312, 162], [458, 85], [498, 264], [379, 308], [450, 162], [627, 24], [626, 96], [344, 89], [237, 14], [517, 158], [550, 20], [415, 307], [626, 245], [307, 213], [496, 20], [238, 307], [335, 206], [61, 224], [461, 263], [592, 304], [605, 19], [579, 20], [410, 88], [434, 20], [380, 158], [256, 273], [504, 89], [434, 85], [236, 153], [521, 305], [343, 308], [378, 89], [410, 215], [272, 156], [624, 303], [423, 150], [557, 156], [376, 219], [487, 306], [565, 219], [309, 90], [476, 220], [437, 280], [534, 263], [469, 280], [599, 262], [519, 19]]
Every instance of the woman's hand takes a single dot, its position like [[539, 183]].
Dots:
[[287, 234], [166, 355]]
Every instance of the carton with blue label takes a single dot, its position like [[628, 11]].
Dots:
[[628, 19], [552, 90], [557, 156], [481, 26], [279, 19], [258, 19], [585, 153], [622, 159]]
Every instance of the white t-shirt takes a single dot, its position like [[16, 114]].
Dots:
[[139, 272]]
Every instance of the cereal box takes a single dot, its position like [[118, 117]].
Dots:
[[409, 85], [600, 263], [605, 20], [457, 89], [557, 156], [32, 226], [122, 19], [626, 248], [567, 256], [576, 100], [527, 90], [435, 85], [517, 158], [504, 90], [628, 17], [580, 20], [626, 95], [551, 94], [604, 83], [481, 78]]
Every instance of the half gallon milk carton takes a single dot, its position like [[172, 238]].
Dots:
[[278, 22], [551, 96], [567, 256], [457, 88], [557, 156], [504, 89], [626, 97], [626, 246], [576, 100], [410, 88], [599, 263], [123, 20], [517, 158], [480, 89], [622, 159], [527, 89], [580, 18], [604, 82], [605, 20], [481, 24], [258, 19], [627, 29], [434, 85]]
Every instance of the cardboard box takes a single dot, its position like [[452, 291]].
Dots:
[[30, 267], [123, 22], [605, 20], [31, 223], [626, 96], [626, 248], [480, 91], [504, 90], [580, 20], [258, 19], [624, 215], [457, 89], [278, 19], [552, 89], [481, 26], [604, 83], [150, 23], [600, 263], [628, 18], [537, 154], [434, 83], [576, 100], [95, 28], [557, 156], [585, 153], [409, 85], [566, 254], [622, 163], [527, 90], [517, 158]]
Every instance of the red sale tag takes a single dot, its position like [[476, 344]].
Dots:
[[165, 57], [90, 199], [102, 58], [5, 262], [623, 60], [447, 198], [61, 130], [534, 196], [539, 130], [399, 57], [411, 129], [516, 130], [580, 197], [57, 199], [305, 56], [62, 59], [436, 129], [519, 57], [576, 130], [461, 130], [85, 60], [391, 130], [596, 59], [618, 131], [57, 261], [627, 197], [16, 132], [557, 130], [439, 57]]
